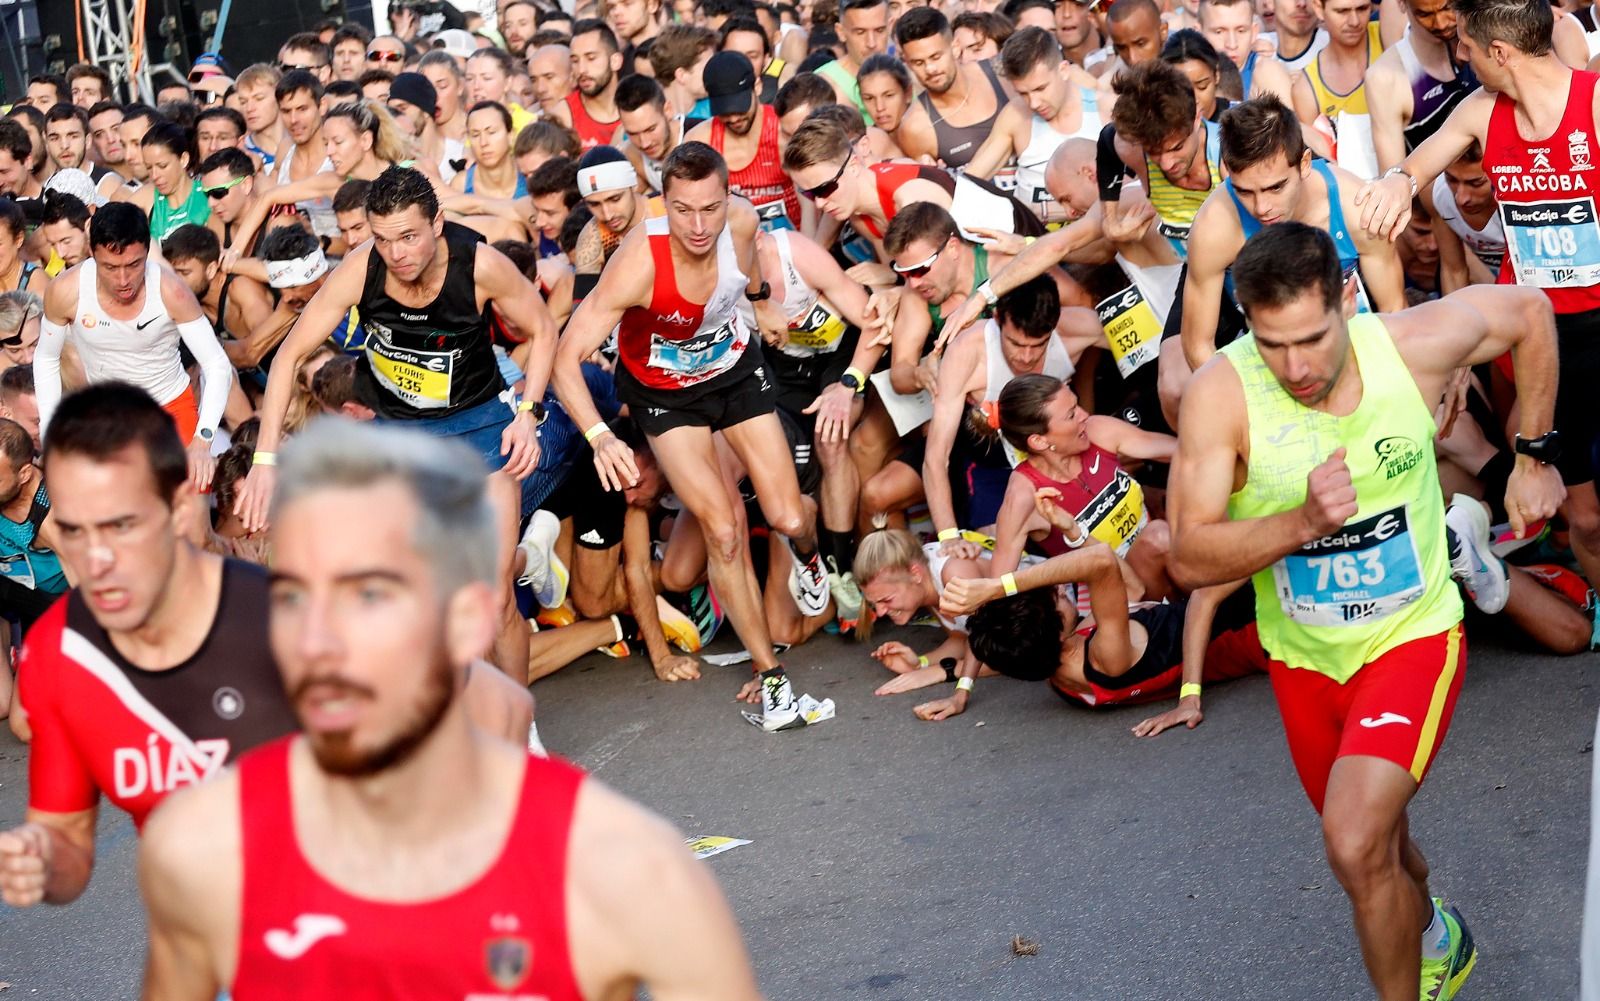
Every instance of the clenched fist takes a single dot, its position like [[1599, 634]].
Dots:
[[1330, 496]]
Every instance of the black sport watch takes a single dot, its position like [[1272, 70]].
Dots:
[[850, 382], [760, 295], [1544, 449]]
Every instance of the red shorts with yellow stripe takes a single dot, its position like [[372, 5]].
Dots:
[[1397, 708]]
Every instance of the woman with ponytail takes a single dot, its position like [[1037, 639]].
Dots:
[[172, 198], [362, 142], [1072, 462]]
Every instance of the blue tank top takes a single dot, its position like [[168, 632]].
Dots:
[[1349, 258], [522, 182], [36, 569], [1246, 73]]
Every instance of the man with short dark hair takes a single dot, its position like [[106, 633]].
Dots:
[[745, 132], [105, 132], [678, 58], [963, 101], [299, 97], [679, 291], [236, 305], [519, 21], [65, 225], [46, 90], [305, 51], [217, 129], [16, 160], [19, 402], [66, 136], [652, 125], [88, 85], [349, 48], [864, 29]]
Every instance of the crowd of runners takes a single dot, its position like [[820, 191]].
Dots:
[[1132, 347]]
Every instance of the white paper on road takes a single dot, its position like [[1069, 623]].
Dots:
[[907, 412], [741, 657], [707, 845]]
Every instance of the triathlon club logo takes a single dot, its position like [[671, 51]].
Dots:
[[1396, 455]]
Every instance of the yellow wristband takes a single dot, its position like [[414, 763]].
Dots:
[[264, 459], [1008, 582], [526, 405], [861, 377], [1029, 241], [600, 428], [922, 661], [964, 685], [946, 534], [1188, 689]]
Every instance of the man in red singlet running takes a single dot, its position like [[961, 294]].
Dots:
[[591, 110], [155, 671], [679, 292], [745, 132], [395, 850], [1535, 120]]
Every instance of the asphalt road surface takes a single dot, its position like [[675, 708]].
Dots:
[[897, 859]]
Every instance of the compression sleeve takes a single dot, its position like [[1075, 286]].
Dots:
[[216, 372], [59, 781], [47, 369], [1108, 165]]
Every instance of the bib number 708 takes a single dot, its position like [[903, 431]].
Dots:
[[1555, 241], [1347, 570]]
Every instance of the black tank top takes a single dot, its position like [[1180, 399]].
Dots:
[[431, 361], [958, 143]]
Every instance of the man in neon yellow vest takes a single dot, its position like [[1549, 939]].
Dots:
[[1305, 461]]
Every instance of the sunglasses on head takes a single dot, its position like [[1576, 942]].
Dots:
[[15, 340], [827, 188], [221, 191], [383, 56], [916, 270]]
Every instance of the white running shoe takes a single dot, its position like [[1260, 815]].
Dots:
[[847, 598], [1472, 564], [808, 583], [542, 569], [779, 710]]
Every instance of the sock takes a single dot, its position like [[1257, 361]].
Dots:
[[616, 623], [1494, 475], [1436, 937], [836, 549]]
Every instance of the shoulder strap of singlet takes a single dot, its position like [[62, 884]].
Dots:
[[1246, 73], [1214, 149], [719, 133], [1408, 57], [1248, 224], [266, 807], [656, 235], [994, 82], [885, 194], [980, 265], [1336, 226]]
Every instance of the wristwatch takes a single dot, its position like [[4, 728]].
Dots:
[[850, 382], [1544, 449], [206, 434], [949, 665], [761, 295], [534, 407]]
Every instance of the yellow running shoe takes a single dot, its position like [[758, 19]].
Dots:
[[1442, 978], [679, 628]]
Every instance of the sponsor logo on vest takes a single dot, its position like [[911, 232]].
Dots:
[[1541, 159], [1396, 455], [309, 929], [1540, 182], [227, 702], [1506, 168], [1435, 92], [509, 960], [1578, 150], [159, 767], [676, 318], [414, 317], [1549, 214]]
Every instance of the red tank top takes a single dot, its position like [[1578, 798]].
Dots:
[[1546, 189], [1102, 498], [674, 342], [591, 131], [504, 936], [763, 180]]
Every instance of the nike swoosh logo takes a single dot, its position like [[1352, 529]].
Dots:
[[309, 929], [1383, 719], [1094, 467], [141, 326]]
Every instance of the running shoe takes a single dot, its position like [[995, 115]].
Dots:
[[847, 599], [779, 710], [1471, 563], [808, 583], [1503, 543], [555, 618], [706, 612], [677, 627], [542, 569], [627, 629], [1443, 978]]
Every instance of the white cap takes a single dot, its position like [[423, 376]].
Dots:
[[456, 41], [75, 182]]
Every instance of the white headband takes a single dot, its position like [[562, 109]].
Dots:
[[298, 271], [607, 176]]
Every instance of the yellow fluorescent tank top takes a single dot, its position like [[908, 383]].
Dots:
[[1340, 602], [1354, 103]]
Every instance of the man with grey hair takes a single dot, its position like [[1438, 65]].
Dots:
[[269, 874]]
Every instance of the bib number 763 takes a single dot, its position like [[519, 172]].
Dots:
[[1348, 570]]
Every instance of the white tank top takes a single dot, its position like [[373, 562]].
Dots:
[[936, 562], [1488, 243], [1135, 315], [1056, 362], [142, 352], [319, 210], [1043, 142], [815, 326]]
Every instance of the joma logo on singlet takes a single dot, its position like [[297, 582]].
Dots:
[[159, 767], [1396, 455]]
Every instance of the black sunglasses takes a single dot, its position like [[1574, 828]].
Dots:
[[309, 67], [15, 340], [827, 188]]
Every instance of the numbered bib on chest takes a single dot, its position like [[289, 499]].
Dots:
[[1554, 244], [18, 569], [1365, 571], [701, 356], [819, 330], [421, 379], [1132, 329], [773, 215]]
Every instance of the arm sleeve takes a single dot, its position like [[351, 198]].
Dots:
[[1109, 165], [47, 369], [216, 373]]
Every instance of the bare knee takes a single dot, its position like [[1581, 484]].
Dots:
[[1360, 851], [724, 540], [791, 522], [1584, 521]]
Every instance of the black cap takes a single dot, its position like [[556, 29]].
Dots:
[[415, 89], [730, 82]]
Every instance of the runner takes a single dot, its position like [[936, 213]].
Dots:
[[962, 101], [652, 130], [1353, 597], [887, 91], [591, 110], [610, 188], [745, 132], [688, 366], [1053, 109], [125, 315], [1466, 223], [1330, 93], [1528, 91], [261, 882], [304, 155], [864, 30], [151, 675], [1415, 85], [1231, 26]]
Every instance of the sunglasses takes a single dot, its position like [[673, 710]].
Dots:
[[916, 270], [221, 191], [15, 340], [827, 188], [382, 56], [309, 67]]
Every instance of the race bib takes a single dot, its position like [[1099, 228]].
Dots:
[[18, 569], [1132, 329], [1117, 514], [773, 216], [1554, 244], [420, 379], [820, 330], [1005, 180], [698, 357], [1365, 571]]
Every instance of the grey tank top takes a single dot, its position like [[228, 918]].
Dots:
[[958, 143]]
